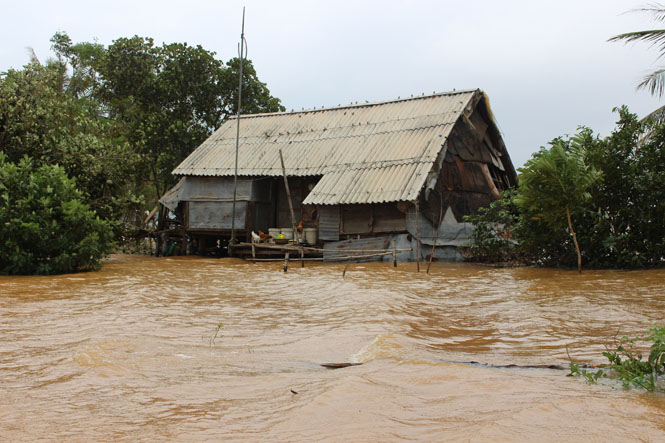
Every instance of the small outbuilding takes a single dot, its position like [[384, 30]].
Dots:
[[360, 176]]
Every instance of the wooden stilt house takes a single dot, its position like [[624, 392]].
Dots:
[[365, 174]]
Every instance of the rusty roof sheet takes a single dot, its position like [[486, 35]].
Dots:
[[368, 153]]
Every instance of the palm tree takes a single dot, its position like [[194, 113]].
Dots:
[[654, 82]]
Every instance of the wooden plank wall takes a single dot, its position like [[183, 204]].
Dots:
[[372, 219], [473, 172]]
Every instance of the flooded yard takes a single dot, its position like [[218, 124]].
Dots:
[[219, 349]]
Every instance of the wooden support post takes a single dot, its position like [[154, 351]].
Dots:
[[436, 237], [253, 253], [417, 236], [161, 225], [394, 253], [302, 257], [288, 195], [286, 262]]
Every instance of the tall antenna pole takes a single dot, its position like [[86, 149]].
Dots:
[[235, 175]]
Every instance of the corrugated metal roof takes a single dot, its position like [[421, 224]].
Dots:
[[369, 153]]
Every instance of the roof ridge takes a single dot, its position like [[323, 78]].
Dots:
[[358, 105]]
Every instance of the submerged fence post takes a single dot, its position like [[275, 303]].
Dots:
[[286, 262], [394, 253]]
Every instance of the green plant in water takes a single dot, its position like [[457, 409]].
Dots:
[[590, 376], [213, 337], [632, 369], [627, 362]]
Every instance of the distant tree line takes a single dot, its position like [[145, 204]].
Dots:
[[94, 135], [583, 200]]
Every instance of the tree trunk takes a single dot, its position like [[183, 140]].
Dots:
[[577, 246]]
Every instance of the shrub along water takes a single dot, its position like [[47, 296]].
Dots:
[[45, 227], [116, 120], [585, 200], [628, 365]]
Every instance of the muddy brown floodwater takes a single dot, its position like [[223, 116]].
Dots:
[[128, 353]]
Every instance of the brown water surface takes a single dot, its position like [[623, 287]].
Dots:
[[128, 353]]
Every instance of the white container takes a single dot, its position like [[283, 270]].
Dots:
[[311, 235], [287, 233]]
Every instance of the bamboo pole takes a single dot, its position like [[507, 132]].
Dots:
[[288, 195], [286, 262], [417, 236], [235, 174], [253, 253]]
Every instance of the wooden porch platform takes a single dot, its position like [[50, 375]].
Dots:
[[271, 252]]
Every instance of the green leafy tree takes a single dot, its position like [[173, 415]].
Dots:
[[256, 97], [83, 59], [119, 119], [619, 219], [45, 228], [629, 204], [40, 119], [171, 98], [554, 184]]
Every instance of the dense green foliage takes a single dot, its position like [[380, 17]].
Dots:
[[40, 118], [492, 231], [554, 183], [629, 205], [613, 189], [166, 99], [117, 120], [45, 228], [627, 363]]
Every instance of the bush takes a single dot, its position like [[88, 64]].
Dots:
[[40, 117], [44, 226], [617, 220], [492, 238], [628, 365]]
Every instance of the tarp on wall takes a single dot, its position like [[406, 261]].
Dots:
[[451, 232]]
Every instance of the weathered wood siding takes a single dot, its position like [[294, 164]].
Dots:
[[371, 219], [473, 172]]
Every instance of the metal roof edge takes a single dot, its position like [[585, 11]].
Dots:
[[358, 105]]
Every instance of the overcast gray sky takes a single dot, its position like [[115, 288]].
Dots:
[[546, 65]]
